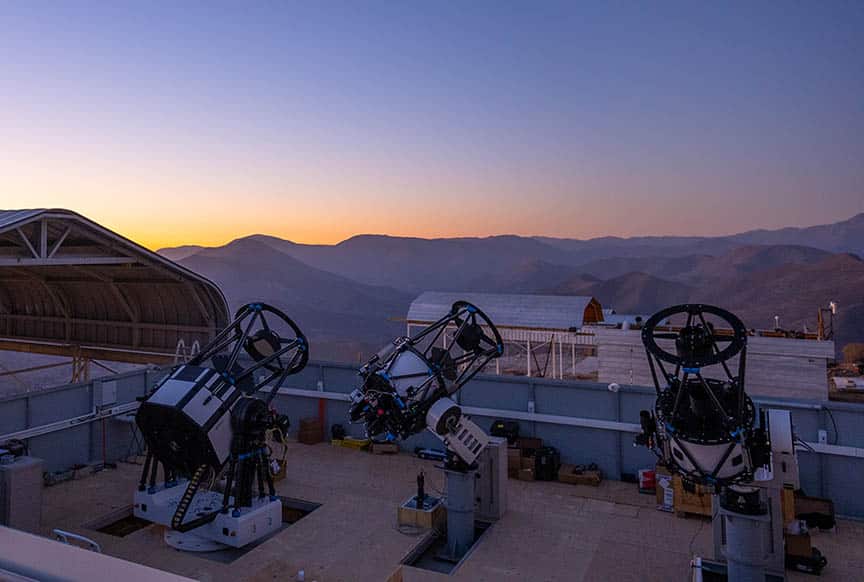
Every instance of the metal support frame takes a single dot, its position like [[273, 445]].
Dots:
[[80, 368], [555, 340], [49, 317], [43, 251]]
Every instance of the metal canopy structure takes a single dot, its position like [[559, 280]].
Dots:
[[71, 287], [552, 312], [539, 331]]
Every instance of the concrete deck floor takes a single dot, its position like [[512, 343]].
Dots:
[[551, 532]]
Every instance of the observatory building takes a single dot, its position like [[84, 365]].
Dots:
[[543, 335]]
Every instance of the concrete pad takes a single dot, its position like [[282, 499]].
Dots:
[[551, 531]]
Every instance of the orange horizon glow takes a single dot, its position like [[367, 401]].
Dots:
[[155, 229], [199, 124]]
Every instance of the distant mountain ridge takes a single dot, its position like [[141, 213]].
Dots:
[[349, 293], [845, 236], [416, 264], [340, 316]]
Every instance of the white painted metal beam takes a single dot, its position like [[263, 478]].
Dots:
[[577, 422], [68, 423]]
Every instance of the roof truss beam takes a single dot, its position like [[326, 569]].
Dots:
[[108, 323], [47, 262], [27, 243], [59, 242]]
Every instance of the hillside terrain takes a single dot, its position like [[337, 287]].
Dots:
[[340, 317], [347, 296]]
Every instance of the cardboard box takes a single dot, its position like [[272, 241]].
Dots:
[[526, 463], [816, 511], [567, 474], [526, 474], [664, 489], [798, 545], [384, 448], [528, 445], [514, 462]]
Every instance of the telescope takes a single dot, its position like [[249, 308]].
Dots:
[[205, 420], [407, 386]]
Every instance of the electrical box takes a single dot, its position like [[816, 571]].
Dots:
[[21, 494], [491, 486]]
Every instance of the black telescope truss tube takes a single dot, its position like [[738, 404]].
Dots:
[[692, 408], [393, 401], [276, 349], [288, 355]]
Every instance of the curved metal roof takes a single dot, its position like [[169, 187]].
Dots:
[[68, 284], [559, 312]]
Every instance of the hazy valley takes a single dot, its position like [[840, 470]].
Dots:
[[347, 296]]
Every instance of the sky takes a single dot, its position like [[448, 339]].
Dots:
[[200, 122]]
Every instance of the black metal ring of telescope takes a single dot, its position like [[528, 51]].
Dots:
[[736, 341], [476, 312], [265, 335]]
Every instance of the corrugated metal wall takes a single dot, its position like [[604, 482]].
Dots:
[[776, 367]]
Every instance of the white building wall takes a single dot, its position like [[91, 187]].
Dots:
[[776, 367]]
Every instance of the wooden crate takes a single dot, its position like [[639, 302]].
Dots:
[[311, 431], [687, 503], [434, 518], [310, 437]]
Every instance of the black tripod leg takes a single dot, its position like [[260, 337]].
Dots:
[[142, 484], [154, 469], [269, 477], [260, 460], [229, 483]]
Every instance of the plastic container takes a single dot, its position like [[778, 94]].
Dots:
[[647, 481]]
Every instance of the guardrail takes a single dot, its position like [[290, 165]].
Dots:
[[586, 421]]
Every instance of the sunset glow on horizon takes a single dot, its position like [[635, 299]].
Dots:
[[204, 122]]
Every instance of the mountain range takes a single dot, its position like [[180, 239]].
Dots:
[[346, 296]]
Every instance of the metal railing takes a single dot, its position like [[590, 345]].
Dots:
[[586, 421]]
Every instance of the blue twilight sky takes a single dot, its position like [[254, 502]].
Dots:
[[197, 122]]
